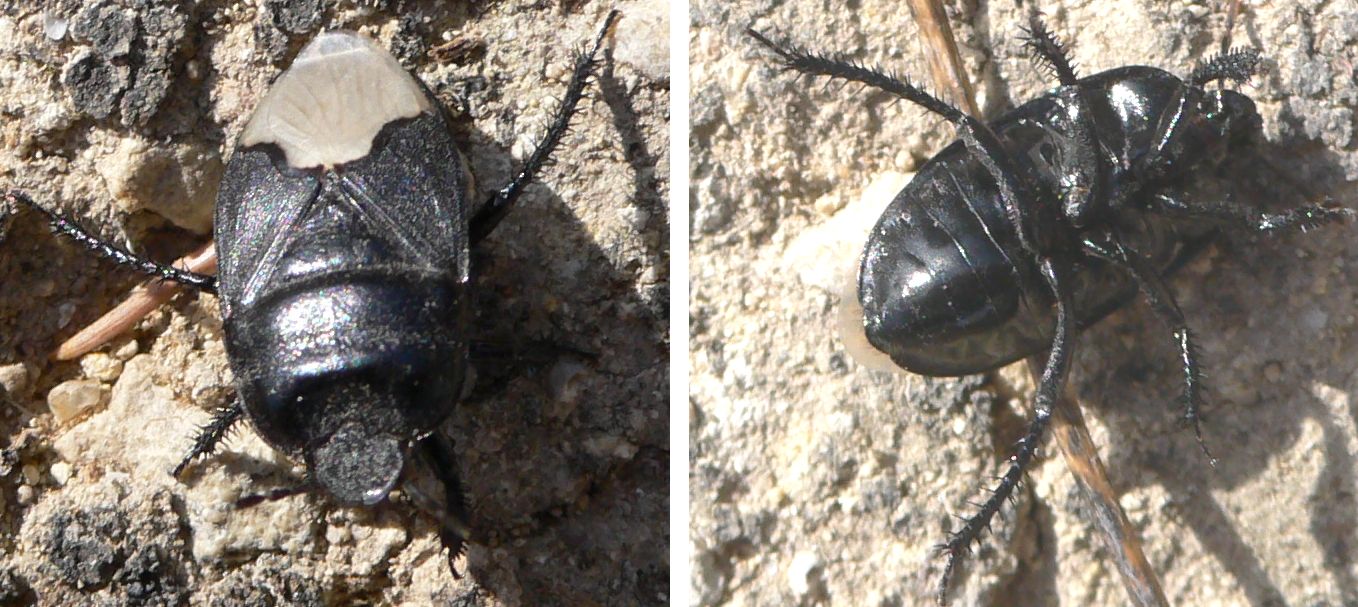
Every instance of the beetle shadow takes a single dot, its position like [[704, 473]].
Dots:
[[1224, 304], [645, 193], [564, 464]]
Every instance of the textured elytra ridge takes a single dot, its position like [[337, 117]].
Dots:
[[326, 109]]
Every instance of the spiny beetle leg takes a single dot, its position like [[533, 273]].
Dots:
[[1237, 65], [211, 434], [811, 64], [112, 252], [495, 209], [979, 139], [1106, 246], [1300, 218], [1048, 390], [454, 528], [1048, 50]]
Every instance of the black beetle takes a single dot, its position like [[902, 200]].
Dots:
[[344, 233], [1031, 227]]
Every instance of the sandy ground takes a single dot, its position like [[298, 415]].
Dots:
[[818, 481], [123, 114]]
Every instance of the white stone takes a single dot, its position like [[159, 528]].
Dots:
[[72, 398]]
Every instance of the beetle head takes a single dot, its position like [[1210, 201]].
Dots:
[[359, 431], [1213, 122], [355, 466]]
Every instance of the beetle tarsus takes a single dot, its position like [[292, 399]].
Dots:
[[274, 495], [112, 252], [495, 209], [210, 435]]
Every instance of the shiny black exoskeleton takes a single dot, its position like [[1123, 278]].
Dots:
[[344, 233], [1010, 239]]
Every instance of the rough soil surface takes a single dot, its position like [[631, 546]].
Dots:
[[123, 113], [816, 480]]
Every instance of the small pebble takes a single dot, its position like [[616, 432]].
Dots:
[[563, 380], [829, 204], [70, 399], [337, 535], [14, 380], [61, 472], [800, 573], [1273, 371], [64, 313], [54, 27], [101, 366], [126, 351]]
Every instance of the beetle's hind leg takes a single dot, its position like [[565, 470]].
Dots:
[[812, 64], [979, 139], [211, 434], [1299, 218], [436, 450], [112, 252], [1048, 390], [495, 209], [1161, 300]]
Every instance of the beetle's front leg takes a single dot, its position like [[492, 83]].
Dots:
[[1048, 390], [1301, 218], [112, 252], [1161, 300], [495, 209]]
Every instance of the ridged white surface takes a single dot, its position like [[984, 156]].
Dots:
[[326, 109]]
